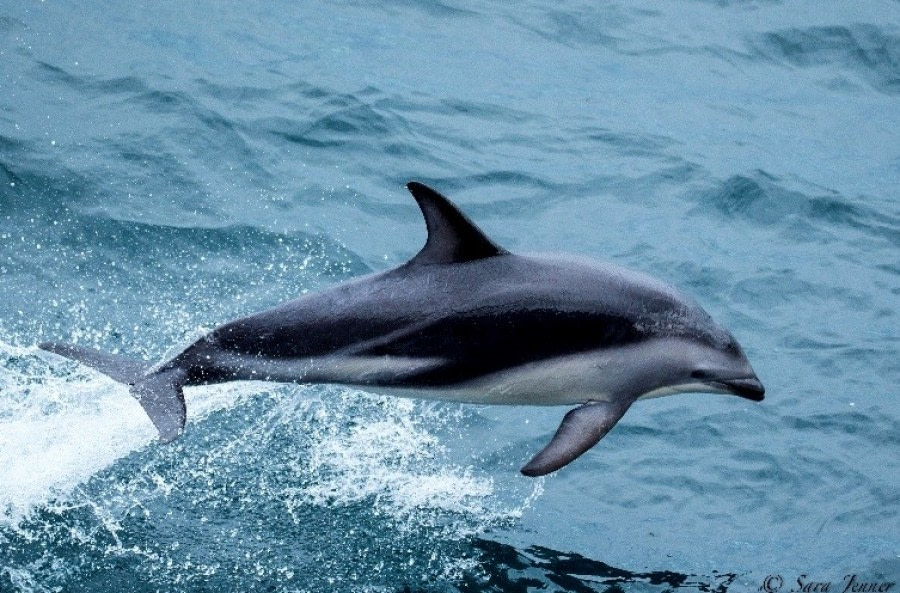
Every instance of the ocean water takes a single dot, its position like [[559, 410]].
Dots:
[[167, 167]]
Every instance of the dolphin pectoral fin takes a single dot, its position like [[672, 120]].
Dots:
[[580, 430], [161, 396]]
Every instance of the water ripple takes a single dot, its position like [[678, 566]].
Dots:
[[866, 50]]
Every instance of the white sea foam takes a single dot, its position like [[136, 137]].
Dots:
[[61, 423], [394, 460]]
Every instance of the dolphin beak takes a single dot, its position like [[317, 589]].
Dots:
[[747, 387]]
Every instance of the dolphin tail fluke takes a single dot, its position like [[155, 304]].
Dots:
[[580, 430], [121, 368], [162, 397], [159, 392]]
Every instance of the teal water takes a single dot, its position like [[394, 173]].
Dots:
[[165, 168]]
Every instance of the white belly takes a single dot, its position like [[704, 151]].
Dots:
[[559, 381]]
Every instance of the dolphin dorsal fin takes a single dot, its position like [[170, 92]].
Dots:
[[452, 237]]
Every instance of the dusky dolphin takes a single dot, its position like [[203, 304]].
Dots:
[[465, 320]]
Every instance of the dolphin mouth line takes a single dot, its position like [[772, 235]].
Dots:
[[747, 387]]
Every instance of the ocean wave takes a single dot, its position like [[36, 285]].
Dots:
[[179, 278], [538, 567], [761, 198], [862, 50]]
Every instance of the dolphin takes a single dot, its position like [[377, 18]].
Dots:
[[465, 320]]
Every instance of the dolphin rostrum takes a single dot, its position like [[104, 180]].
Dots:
[[465, 320]]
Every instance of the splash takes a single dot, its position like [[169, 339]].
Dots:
[[389, 456], [319, 485], [59, 424]]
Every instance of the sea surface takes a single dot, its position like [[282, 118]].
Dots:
[[168, 166]]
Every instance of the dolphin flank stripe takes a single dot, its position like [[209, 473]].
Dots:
[[466, 320], [488, 341]]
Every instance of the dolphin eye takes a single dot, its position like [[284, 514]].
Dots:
[[700, 374]]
